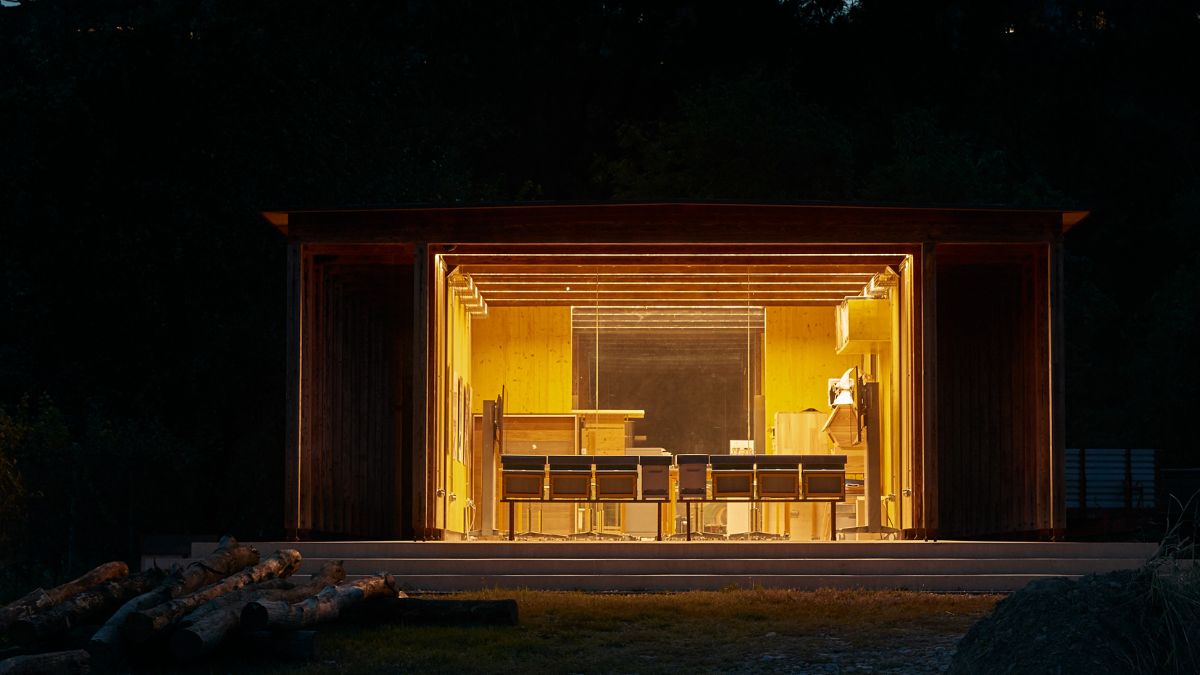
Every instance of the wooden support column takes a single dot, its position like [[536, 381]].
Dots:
[[487, 509], [873, 481], [929, 399], [310, 418], [420, 392], [292, 417], [1058, 391]]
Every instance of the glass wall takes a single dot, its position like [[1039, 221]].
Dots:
[[622, 357]]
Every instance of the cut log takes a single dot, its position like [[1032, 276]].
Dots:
[[254, 616], [228, 558], [238, 598], [39, 599], [107, 644], [424, 611], [31, 603], [141, 625], [326, 605], [90, 606], [52, 663], [203, 630]]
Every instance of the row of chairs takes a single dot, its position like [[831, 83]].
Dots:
[[647, 478]]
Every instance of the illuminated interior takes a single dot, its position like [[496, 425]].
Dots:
[[640, 352]]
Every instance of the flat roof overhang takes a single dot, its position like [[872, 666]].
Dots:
[[675, 222]]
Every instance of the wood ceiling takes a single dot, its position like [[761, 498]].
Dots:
[[676, 281]]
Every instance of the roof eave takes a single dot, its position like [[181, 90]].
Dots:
[[1071, 218]]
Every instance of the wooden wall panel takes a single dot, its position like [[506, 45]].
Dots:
[[456, 351], [799, 357], [925, 511], [993, 427], [292, 416], [356, 337], [528, 351]]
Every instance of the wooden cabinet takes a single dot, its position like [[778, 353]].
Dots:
[[605, 432], [862, 325]]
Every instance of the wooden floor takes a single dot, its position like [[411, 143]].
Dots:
[[947, 566]]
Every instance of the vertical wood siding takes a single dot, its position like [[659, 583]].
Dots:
[[993, 453], [357, 343]]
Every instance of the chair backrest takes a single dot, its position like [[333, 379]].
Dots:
[[656, 460], [571, 462], [522, 462], [732, 462], [615, 462], [814, 462], [777, 462]]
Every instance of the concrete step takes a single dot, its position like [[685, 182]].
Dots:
[[731, 566], [676, 566], [708, 549], [975, 583]]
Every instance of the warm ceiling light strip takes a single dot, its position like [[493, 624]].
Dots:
[[710, 318], [487, 285], [584, 325], [741, 293], [655, 308], [670, 322], [483, 276], [643, 302], [468, 293], [682, 255], [718, 311], [840, 274]]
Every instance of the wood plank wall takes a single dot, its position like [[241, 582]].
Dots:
[[993, 418], [526, 350], [800, 355], [357, 346]]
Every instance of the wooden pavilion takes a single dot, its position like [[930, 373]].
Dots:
[[668, 328]]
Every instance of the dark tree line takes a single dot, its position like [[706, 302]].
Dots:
[[141, 297]]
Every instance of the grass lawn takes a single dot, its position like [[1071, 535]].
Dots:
[[828, 631]]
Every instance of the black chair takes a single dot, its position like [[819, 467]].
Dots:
[[570, 477], [656, 476], [522, 476], [732, 476], [778, 476], [616, 476], [693, 476], [824, 477]]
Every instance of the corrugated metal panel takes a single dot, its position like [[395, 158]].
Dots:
[[1112, 478]]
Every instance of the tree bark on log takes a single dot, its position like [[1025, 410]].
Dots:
[[141, 625], [253, 617], [229, 557], [52, 663], [39, 599], [436, 611], [89, 606], [238, 597], [207, 627], [22, 607], [324, 606]]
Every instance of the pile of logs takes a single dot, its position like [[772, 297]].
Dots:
[[232, 599]]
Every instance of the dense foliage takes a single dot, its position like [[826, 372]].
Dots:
[[141, 297]]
